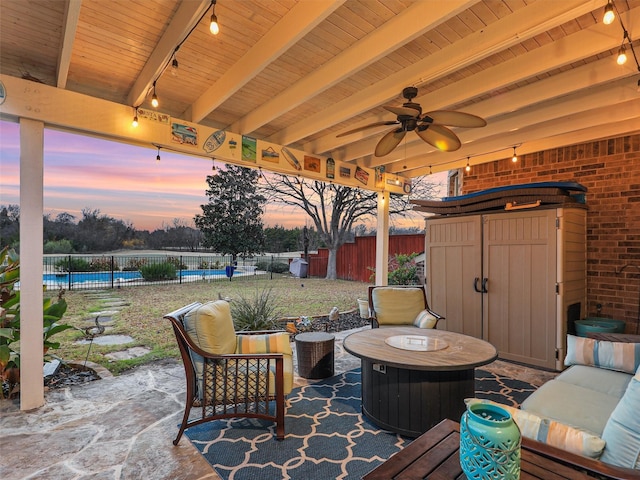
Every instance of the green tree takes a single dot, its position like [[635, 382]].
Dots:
[[231, 223]]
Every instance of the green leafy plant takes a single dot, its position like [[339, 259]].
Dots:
[[402, 270], [73, 264], [259, 312], [53, 309], [154, 272]]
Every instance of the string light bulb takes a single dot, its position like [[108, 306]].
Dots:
[[134, 123], [174, 67], [214, 28], [609, 15], [468, 167], [622, 55], [358, 195], [158, 155], [154, 97], [514, 159]]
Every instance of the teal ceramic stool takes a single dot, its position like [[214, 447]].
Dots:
[[489, 443]]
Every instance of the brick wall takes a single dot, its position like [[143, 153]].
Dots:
[[610, 169]]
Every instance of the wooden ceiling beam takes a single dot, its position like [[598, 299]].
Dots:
[[500, 35], [564, 51], [182, 22], [71, 16], [405, 27], [300, 20]]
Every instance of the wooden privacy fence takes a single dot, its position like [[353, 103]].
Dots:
[[355, 260]]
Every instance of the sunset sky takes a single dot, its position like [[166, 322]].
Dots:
[[122, 181]]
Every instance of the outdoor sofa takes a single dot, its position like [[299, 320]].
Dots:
[[592, 408]]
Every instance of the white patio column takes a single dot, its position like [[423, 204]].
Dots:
[[382, 239], [31, 296]]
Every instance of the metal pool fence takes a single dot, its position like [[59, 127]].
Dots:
[[84, 272]]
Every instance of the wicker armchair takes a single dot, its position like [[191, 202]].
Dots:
[[229, 374], [401, 305]]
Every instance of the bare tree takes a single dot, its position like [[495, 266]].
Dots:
[[334, 209]]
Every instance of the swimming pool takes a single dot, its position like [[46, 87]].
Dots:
[[74, 278]]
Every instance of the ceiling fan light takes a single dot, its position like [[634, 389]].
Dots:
[[609, 15], [622, 55]]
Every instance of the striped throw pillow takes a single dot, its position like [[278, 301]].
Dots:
[[624, 357], [425, 320], [551, 432]]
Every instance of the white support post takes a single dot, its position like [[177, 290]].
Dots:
[[31, 296], [382, 239]]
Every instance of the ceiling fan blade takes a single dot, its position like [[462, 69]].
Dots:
[[389, 142], [408, 111], [454, 119], [440, 137], [359, 129]]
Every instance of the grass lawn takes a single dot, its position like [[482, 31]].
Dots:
[[142, 317]]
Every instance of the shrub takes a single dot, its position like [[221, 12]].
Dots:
[[134, 264], [58, 246], [73, 265], [158, 271], [260, 312], [102, 264], [175, 261], [403, 270], [275, 267]]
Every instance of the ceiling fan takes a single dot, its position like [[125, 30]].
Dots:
[[430, 126]]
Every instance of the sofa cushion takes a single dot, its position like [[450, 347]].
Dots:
[[425, 320], [551, 432], [622, 431], [571, 404], [599, 379], [600, 353], [397, 305]]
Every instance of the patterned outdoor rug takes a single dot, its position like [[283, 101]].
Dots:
[[326, 434]]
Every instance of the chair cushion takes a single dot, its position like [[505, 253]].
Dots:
[[211, 327], [620, 356], [271, 343], [553, 433], [425, 320], [397, 306], [622, 431]]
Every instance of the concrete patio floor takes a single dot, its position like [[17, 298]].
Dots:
[[122, 427]]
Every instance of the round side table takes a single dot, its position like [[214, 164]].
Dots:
[[314, 351]]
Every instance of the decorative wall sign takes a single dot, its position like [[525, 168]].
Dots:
[[3, 93], [362, 175], [291, 158], [232, 144], [331, 168], [154, 116], [312, 164], [181, 133], [406, 188], [214, 141], [345, 172], [270, 155], [249, 148]]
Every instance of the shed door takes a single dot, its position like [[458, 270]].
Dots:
[[454, 256], [519, 307]]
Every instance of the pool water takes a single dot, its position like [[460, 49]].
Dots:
[[82, 277]]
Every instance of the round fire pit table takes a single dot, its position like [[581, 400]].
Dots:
[[314, 351]]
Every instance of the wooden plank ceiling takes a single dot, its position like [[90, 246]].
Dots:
[[298, 72]]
